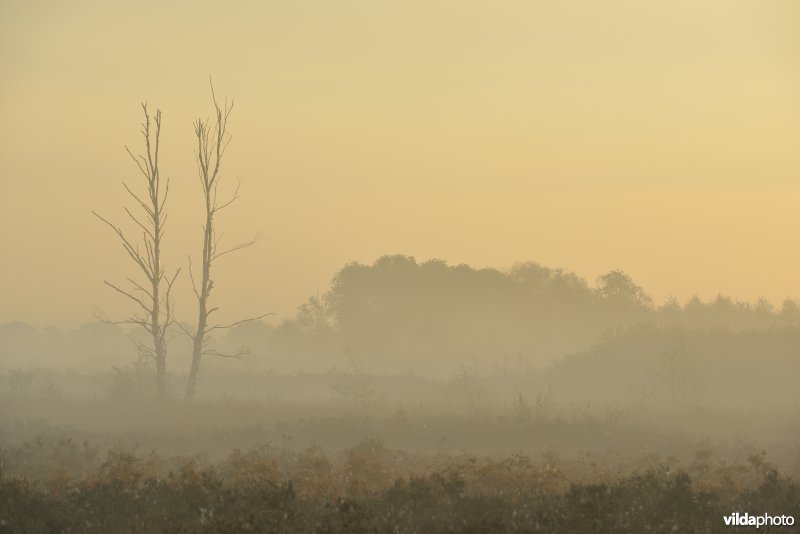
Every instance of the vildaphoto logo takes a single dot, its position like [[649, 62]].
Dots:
[[747, 520]]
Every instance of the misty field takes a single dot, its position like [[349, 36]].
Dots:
[[414, 398], [350, 452]]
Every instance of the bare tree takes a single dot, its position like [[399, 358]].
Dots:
[[212, 141], [152, 297]]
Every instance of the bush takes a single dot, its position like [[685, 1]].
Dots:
[[370, 489]]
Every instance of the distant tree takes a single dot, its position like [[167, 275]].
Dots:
[[152, 296], [617, 286], [790, 312], [314, 316], [212, 141]]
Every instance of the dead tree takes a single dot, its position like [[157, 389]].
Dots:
[[151, 297], [212, 140]]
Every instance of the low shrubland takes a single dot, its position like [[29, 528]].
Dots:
[[54, 484]]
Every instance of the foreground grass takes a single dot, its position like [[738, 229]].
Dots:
[[57, 485]]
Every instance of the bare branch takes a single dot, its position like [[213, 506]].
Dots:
[[132, 250], [236, 355], [191, 277], [127, 294], [139, 287], [184, 330], [137, 199], [136, 160], [143, 227], [236, 323], [142, 349], [240, 246], [130, 321], [233, 199]]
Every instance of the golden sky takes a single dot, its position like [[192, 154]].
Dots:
[[661, 138]]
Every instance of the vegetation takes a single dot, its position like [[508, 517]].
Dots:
[[345, 418], [435, 318], [212, 142], [152, 298], [58, 485]]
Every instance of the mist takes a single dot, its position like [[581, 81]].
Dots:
[[406, 369], [399, 267]]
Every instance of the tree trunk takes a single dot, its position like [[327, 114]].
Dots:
[[197, 353]]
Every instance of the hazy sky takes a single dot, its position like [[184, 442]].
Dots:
[[662, 138]]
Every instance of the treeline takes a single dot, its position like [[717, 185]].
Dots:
[[398, 315], [655, 367]]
